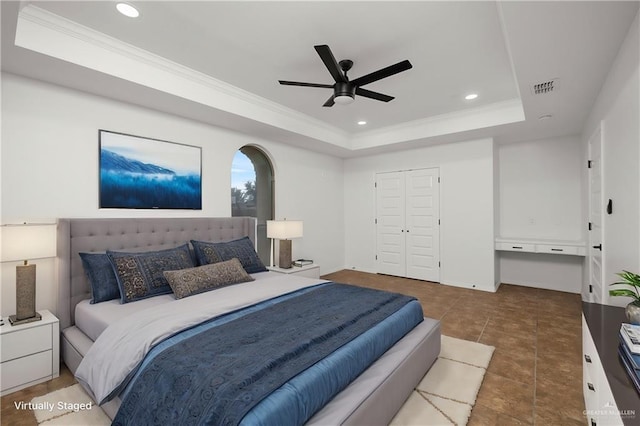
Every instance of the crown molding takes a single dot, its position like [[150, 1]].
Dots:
[[50, 34], [496, 114]]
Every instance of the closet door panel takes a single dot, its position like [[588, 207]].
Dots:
[[390, 207], [422, 229]]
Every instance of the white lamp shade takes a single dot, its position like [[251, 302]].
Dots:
[[284, 229], [25, 242]]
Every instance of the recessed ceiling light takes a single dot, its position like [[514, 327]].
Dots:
[[361, 123], [471, 96], [127, 10]]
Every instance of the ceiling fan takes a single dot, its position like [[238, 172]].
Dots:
[[344, 91]]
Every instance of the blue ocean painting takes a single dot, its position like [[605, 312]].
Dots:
[[141, 173]]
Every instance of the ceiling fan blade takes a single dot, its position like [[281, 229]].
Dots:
[[373, 95], [382, 73], [329, 102], [330, 62], [298, 83]]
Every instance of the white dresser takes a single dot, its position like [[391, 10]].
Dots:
[[29, 353], [609, 396]]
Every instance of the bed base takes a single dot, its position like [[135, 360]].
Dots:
[[387, 383]]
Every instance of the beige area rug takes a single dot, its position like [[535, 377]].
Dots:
[[445, 396], [69, 406]]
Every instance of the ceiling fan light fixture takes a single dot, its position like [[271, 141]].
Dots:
[[343, 99], [471, 96], [344, 90], [344, 93]]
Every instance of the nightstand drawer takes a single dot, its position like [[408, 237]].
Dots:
[[313, 272], [26, 369], [24, 342]]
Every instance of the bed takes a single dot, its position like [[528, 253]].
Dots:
[[372, 397]]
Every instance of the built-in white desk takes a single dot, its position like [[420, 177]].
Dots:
[[574, 248]]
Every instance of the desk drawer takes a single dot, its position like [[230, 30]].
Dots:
[[515, 247], [556, 249]]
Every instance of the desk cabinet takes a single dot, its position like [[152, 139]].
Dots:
[[575, 248]]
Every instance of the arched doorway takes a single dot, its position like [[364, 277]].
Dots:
[[252, 185]]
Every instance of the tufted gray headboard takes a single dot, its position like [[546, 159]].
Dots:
[[127, 234]]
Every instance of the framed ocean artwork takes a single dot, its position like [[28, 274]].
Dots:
[[143, 173]]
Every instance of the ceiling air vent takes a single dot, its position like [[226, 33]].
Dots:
[[545, 87]]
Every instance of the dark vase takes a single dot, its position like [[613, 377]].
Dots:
[[633, 312]]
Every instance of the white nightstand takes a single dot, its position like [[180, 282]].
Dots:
[[310, 271], [29, 353]]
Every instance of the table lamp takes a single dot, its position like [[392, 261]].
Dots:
[[23, 243], [283, 230]]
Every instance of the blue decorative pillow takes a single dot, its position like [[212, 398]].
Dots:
[[187, 282], [140, 275], [241, 249], [103, 282]]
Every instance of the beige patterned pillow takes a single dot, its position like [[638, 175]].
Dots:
[[187, 282]]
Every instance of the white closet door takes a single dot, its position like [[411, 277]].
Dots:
[[422, 230], [390, 207]]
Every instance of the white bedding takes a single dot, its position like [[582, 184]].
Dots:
[[103, 370], [93, 319]]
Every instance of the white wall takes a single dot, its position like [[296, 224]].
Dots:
[[541, 189], [50, 170], [541, 192], [466, 208], [617, 109]]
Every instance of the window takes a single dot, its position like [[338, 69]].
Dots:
[[252, 192]]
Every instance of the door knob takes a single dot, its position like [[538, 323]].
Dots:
[[599, 247]]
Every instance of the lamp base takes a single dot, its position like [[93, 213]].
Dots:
[[25, 292], [15, 321], [284, 260]]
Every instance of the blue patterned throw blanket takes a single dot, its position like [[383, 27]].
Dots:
[[224, 368]]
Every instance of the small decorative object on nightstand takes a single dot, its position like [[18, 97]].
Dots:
[[310, 271], [30, 353], [283, 230], [22, 243]]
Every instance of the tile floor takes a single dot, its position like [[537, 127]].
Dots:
[[10, 416], [535, 376]]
